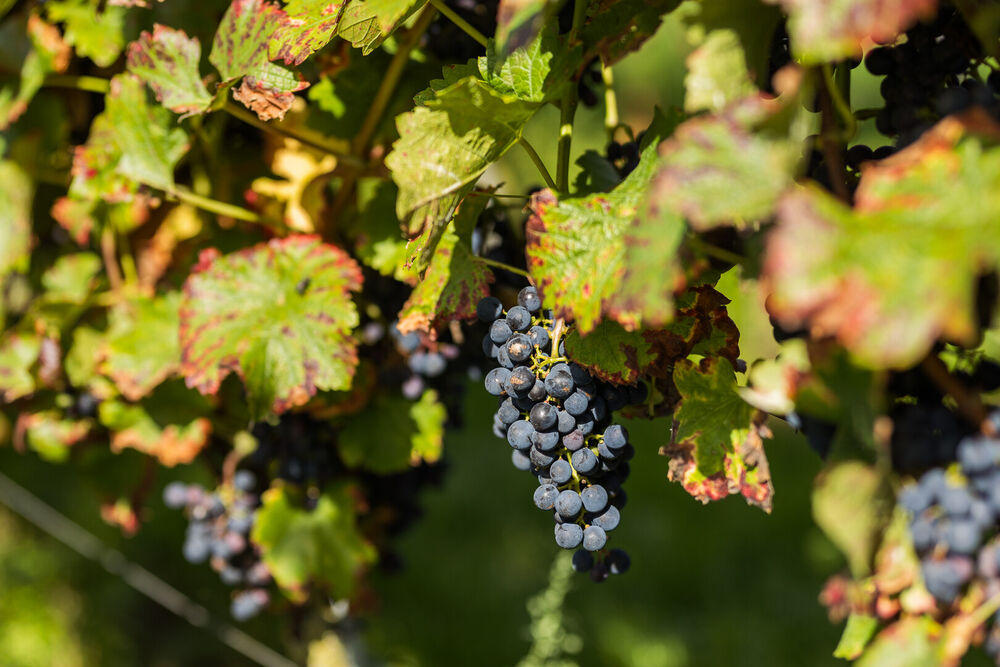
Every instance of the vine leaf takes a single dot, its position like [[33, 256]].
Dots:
[[319, 545], [374, 230], [715, 171], [913, 640], [576, 247], [309, 26], [49, 433], [612, 30], [444, 147], [171, 424], [147, 140], [240, 50], [839, 270], [535, 72], [455, 281], [367, 24], [392, 434], [717, 446], [717, 74], [278, 314], [617, 355], [850, 506], [167, 60], [18, 353], [135, 361], [48, 52], [823, 30], [15, 217], [93, 33], [298, 200]]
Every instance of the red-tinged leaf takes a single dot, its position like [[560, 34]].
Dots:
[[18, 353], [320, 545], [16, 197], [715, 171], [171, 425], [717, 446], [134, 360], [829, 30], [279, 315], [167, 60], [50, 434], [843, 272], [309, 26], [701, 326], [455, 281]]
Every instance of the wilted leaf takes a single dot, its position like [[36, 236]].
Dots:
[[279, 314], [319, 546], [135, 360], [829, 30], [171, 425], [455, 281], [392, 434], [844, 273], [717, 446], [95, 30], [167, 60], [16, 197], [850, 505], [300, 195]]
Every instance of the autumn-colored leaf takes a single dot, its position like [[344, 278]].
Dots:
[[278, 314], [309, 26], [167, 60]]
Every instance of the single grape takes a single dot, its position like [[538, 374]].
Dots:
[[489, 309], [528, 299], [594, 497], [518, 318], [594, 538], [618, 561], [608, 519], [545, 496], [564, 421], [569, 535], [962, 536], [519, 434], [583, 561], [500, 331], [539, 336], [559, 384], [521, 381], [520, 460], [434, 365], [573, 440], [538, 393], [580, 376], [508, 412], [543, 416], [561, 472], [615, 436], [495, 381], [568, 504], [577, 403], [956, 501], [584, 461], [519, 348], [539, 458], [545, 441]]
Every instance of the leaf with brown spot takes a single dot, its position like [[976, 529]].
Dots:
[[279, 315], [309, 26], [843, 272], [455, 281], [167, 61], [717, 445], [171, 425]]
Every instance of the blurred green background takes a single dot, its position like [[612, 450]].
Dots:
[[722, 584]]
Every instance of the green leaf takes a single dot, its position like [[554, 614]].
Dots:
[[146, 137], [536, 72], [93, 33], [824, 31], [131, 357], [393, 434], [47, 53], [16, 197], [443, 149], [717, 73], [367, 24], [617, 355], [576, 248], [279, 314], [910, 642], [167, 60], [858, 632], [717, 447], [82, 361], [49, 433], [71, 278], [715, 171], [18, 353], [851, 505], [309, 26], [171, 425], [378, 242], [845, 273], [320, 546], [455, 281]]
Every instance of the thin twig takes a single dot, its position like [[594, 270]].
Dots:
[[500, 265], [90, 84], [215, 206], [464, 25], [533, 154]]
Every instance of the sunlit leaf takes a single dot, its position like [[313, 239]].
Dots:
[[133, 359], [367, 24], [94, 29], [167, 60]]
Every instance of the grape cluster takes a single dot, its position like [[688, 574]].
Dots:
[[557, 420], [954, 515], [219, 532], [929, 75], [426, 359]]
